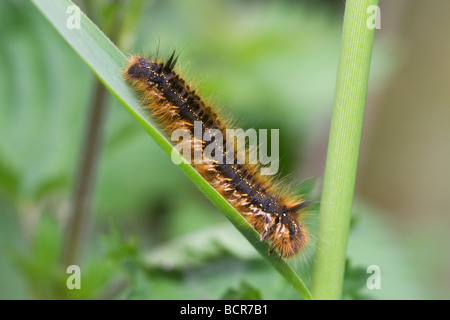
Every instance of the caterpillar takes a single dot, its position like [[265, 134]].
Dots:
[[276, 215]]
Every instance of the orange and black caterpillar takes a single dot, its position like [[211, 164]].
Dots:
[[272, 213]]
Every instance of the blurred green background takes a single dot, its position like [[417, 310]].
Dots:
[[150, 233]]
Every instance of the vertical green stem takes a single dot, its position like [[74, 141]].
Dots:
[[89, 157], [343, 149], [86, 174]]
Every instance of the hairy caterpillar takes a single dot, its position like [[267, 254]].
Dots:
[[274, 214]]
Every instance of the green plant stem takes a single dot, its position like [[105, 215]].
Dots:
[[343, 150], [89, 157], [86, 174]]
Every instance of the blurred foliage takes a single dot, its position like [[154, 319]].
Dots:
[[243, 292], [152, 235], [355, 282]]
